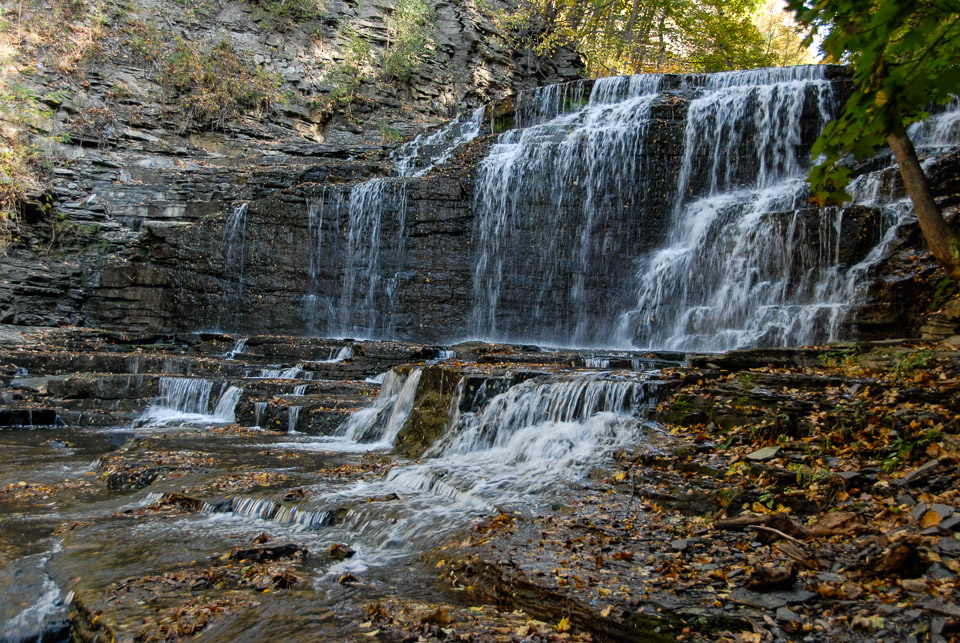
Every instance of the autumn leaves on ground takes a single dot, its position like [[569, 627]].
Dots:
[[796, 495]]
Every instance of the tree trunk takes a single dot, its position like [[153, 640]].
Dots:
[[939, 236]]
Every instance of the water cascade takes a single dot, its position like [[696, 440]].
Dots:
[[188, 400], [514, 448], [380, 423], [571, 187], [234, 256]]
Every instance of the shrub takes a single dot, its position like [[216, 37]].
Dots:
[[294, 10], [211, 89], [409, 34]]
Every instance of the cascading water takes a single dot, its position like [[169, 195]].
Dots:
[[364, 273], [553, 204], [234, 255], [671, 212], [517, 447], [187, 400], [741, 265]]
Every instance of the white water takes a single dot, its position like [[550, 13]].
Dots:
[[550, 204], [582, 241], [187, 401], [519, 448], [289, 373], [238, 347]]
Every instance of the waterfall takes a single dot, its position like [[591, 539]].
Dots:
[[293, 414], [551, 208], [368, 292], [258, 409], [365, 273], [668, 212], [186, 401]]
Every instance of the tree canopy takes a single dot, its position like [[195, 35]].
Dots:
[[905, 57], [632, 36]]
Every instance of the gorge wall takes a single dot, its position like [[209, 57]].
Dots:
[[127, 133]]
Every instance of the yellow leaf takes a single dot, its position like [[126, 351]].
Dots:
[[605, 612], [620, 475], [930, 519], [564, 624], [881, 98], [371, 633]]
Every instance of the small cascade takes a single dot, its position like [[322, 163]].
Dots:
[[258, 409], [292, 515], [299, 390], [252, 507], [293, 414], [225, 409], [427, 151], [289, 373], [185, 394], [379, 424], [337, 356], [238, 348], [940, 131], [234, 257], [187, 400]]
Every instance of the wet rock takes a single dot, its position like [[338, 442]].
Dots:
[[265, 553], [771, 577], [927, 469], [341, 551], [771, 600], [900, 559]]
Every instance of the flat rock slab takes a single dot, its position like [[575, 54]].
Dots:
[[771, 600], [764, 454]]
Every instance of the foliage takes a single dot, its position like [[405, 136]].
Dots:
[[389, 134], [409, 34], [55, 34], [905, 55], [214, 87], [347, 76], [945, 290], [20, 158], [629, 36], [294, 10]]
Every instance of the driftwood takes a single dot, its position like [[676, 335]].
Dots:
[[774, 526], [770, 577], [799, 555]]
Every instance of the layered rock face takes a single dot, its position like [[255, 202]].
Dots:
[[128, 150]]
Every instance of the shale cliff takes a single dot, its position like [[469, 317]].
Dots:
[[154, 114]]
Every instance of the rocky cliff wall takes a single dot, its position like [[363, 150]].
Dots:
[[116, 114]]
